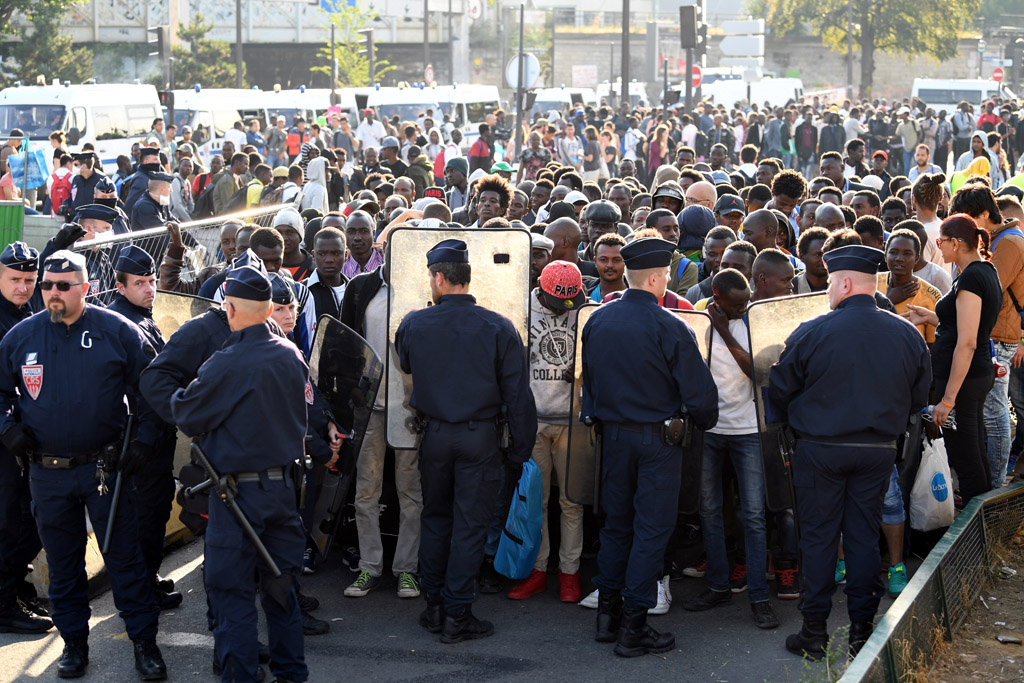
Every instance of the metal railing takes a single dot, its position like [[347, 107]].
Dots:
[[935, 603], [201, 237]]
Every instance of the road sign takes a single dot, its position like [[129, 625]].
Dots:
[[743, 26], [997, 74], [428, 74], [531, 71], [697, 76]]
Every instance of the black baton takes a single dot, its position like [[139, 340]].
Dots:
[[117, 487]]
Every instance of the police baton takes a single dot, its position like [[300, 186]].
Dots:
[[226, 490], [117, 487]]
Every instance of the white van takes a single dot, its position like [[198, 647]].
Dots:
[[775, 91], [468, 106], [944, 94], [549, 99], [111, 116], [406, 102], [211, 112], [304, 102], [637, 93]]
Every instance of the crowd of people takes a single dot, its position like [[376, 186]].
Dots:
[[884, 206]]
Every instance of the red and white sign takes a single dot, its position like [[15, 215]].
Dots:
[[32, 376], [698, 76], [997, 74], [428, 74]]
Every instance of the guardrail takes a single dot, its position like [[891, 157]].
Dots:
[[938, 598]]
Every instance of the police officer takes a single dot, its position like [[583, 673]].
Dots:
[[846, 448], [634, 397], [92, 221], [135, 278], [65, 373], [460, 396], [152, 209], [249, 399], [19, 539], [138, 183], [84, 184]]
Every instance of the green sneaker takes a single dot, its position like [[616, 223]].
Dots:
[[408, 585], [363, 584], [840, 572], [897, 580]]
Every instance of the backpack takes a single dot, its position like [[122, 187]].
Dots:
[[237, 201], [204, 203]]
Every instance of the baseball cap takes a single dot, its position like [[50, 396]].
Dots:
[[730, 203], [880, 153], [576, 197], [561, 285], [280, 172], [389, 141]]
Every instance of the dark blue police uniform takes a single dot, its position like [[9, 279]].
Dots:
[[631, 395], [847, 403], [19, 538], [90, 365], [82, 188], [147, 212], [99, 265], [138, 184], [249, 399], [154, 483], [461, 395]]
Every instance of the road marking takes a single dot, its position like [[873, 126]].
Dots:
[[182, 639]]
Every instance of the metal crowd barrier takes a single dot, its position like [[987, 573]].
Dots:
[[909, 638], [201, 237]]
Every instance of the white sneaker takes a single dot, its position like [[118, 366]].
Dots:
[[590, 602], [664, 597]]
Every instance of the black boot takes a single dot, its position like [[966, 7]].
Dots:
[[462, 625], [148, 661], [16, 619], [490, 579], [609, 616], [262, 654], [432, 618], [74, 659], [637, 638], [860, 631], [162, 584], [811, 641], [168, 601]]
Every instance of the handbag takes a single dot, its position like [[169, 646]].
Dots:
[[931, 498], [520, 535], [33, 163]]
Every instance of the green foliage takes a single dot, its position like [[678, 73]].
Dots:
[[537, 39], [207, 62], [353, 68], [40, 49]]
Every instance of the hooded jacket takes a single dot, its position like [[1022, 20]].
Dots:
[[967, 157], [315, 188], [1008, 258], [421, 174]]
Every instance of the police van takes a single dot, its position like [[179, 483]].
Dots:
[[637, 93], [468, 106], [211, 112], [944, 94], [305, 102], [110, 116], [406, 101]]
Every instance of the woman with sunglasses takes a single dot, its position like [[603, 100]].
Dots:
[[961, 360]]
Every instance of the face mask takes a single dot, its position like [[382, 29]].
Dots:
[[76, 171], [165, 200]]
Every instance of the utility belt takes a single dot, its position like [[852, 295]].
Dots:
[[423, 424], [674, 431], [272, 474], [51, 461], [845, 444]]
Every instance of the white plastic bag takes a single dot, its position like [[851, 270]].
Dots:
[[931, 499]]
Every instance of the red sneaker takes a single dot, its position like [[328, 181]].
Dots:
[[569, 587], [536, 582]]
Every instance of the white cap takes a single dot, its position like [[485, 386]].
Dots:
[[539, 241], [872, 181], [576, 196], [903, 110]]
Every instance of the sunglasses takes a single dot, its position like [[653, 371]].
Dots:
[[47, 285], [940, 240]]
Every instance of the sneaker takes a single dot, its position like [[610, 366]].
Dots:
[[769, 573], [569, 587], [840, 571], [363, 584], [738, 580], [787, 584], [536, 582], [706, 600], [764, 615], [664, 597], [350, 558], [697, 570], [897, 580], [408, 585], [590, 602], [307, 562]]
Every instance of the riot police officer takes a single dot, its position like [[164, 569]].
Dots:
[[847, 405], [639, 400], [65, 372], [460, 397], [19, 539], [135, 279], [249, 399]]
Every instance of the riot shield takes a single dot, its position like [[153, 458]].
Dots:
[[770, 323], [348, 373], [500, 260], [693, 454], [171, 310]]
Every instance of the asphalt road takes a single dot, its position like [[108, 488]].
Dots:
[[378, 638]]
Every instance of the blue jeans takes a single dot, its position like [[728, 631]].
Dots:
[[908, 160], [745, 453], [892, 505], [1017, 400], [997, 418]]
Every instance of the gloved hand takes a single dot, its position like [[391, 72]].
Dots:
[[513, 472], [137, 455], [68, 235], [19, 441]]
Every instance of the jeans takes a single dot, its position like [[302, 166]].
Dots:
[[908, 160], [807, 167], [745, 453], [997, 418], [892, 506]]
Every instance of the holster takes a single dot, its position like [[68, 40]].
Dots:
[[677, 431]]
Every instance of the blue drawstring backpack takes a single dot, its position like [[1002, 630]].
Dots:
[[520, 537]]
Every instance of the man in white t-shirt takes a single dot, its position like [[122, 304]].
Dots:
[[734, 437], [370, 132]]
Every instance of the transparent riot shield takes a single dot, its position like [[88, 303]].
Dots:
[[770, 323], [500, 260], [693, 454], [347, 371], [171, 310]]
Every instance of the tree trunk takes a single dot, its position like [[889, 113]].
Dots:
[[867, 56]]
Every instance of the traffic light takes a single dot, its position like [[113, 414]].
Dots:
[[160, 44], [702, 29], [366, 48], [1015, 53], [688, 26]]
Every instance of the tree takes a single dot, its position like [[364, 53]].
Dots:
[[904, 27], [206, 62], [41, 49], [353, 68]]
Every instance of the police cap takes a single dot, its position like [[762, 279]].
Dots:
[[281, 291], [249, 258], [448, 251], [82, 157], [101, 212], [20, 256], [161, 177], [247, 282], [135, 261], [855, 257], [64, 261], [148, 152], [602, 211], [647, 252]]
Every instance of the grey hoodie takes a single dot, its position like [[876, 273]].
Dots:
[[552, 352], [967, 157]]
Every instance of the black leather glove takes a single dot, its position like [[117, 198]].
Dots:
[[68, 235], [513, 472], [19, 441], [137, 455]]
